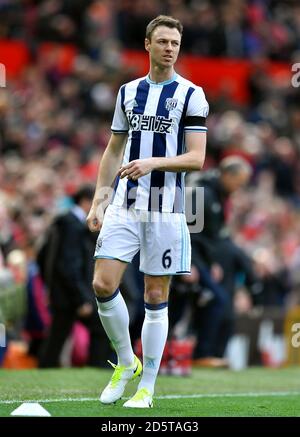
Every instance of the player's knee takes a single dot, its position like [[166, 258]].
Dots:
[[155, 296], [103, 287]]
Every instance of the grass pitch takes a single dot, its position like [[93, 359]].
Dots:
[[211, 393]]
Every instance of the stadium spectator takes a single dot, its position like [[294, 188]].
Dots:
[[218, 260], [38, 317], [66, 265]]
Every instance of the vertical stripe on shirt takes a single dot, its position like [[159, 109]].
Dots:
[[123, 98], [159, 149], [144, 183], [140, 99], [179, 194], [171, 150]]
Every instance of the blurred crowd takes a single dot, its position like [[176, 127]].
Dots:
[[234, 28], [54, 126]]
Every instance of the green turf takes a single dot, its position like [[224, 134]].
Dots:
[[263, 392]]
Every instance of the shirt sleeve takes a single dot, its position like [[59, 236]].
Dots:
[[120, 123], [197, 111]]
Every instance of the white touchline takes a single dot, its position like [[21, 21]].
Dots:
[[191, 396]]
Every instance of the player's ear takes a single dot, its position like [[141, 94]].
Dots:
[[147, 44]]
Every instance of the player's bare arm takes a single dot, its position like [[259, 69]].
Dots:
[[193, 159], [108, 169]]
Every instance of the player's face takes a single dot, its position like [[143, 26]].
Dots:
[[164, 46]]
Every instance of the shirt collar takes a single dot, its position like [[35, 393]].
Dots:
[[166, 82]]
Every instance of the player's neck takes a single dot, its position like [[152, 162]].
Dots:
[[159, 75]]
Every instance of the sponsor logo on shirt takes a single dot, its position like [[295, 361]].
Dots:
[[152, 123]]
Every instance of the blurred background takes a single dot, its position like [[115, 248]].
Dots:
[[64, 62]]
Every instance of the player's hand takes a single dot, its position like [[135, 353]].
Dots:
[[92, 220], [137, 168]]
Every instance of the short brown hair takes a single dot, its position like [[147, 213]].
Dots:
[[163, 20]]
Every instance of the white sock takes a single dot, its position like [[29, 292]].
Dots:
[[154, 336], [115, 319]]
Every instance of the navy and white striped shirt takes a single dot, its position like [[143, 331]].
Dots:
[[156, 117]]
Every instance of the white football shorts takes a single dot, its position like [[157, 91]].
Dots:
[[163, 239]]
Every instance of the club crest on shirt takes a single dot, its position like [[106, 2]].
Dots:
[[170, 103]]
